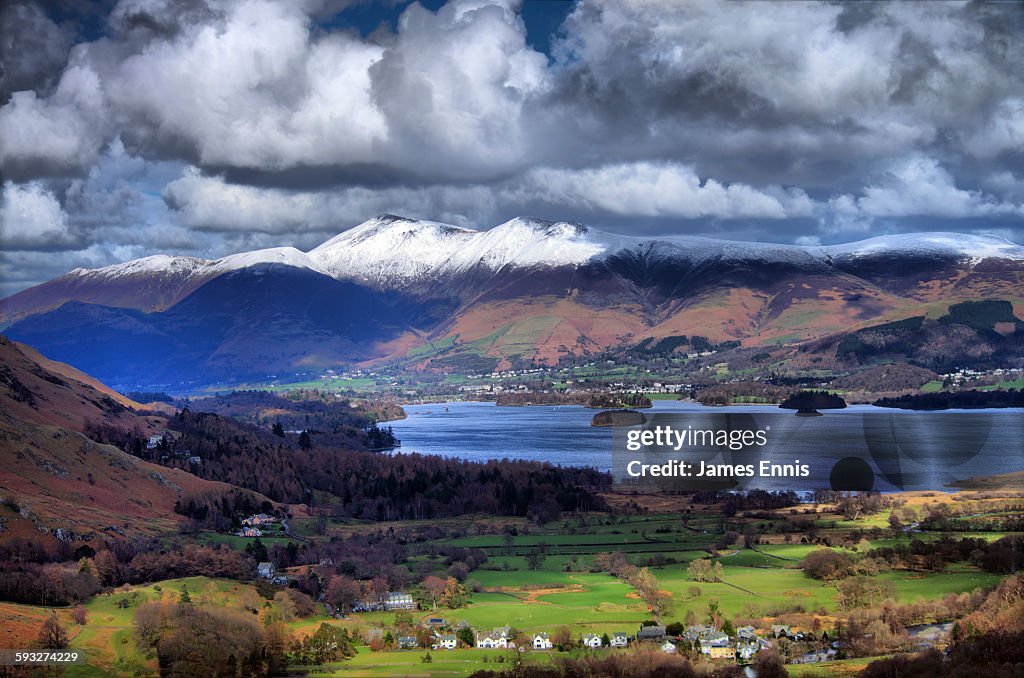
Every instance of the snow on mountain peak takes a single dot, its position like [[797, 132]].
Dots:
[[157, 263], [390, 249], [975, 247], [285, 256], [394, 252]]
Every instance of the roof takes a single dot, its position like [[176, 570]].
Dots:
[[651, 632]]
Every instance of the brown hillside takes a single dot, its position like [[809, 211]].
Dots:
[[42, 391], [54, 477]]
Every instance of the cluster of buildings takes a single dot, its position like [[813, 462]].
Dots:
[[710, 641], [251, 525], [266, 570], [963, 375]]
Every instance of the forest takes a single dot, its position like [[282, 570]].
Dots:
[[360, 482]]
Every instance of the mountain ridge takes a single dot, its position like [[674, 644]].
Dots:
[[526, 290]]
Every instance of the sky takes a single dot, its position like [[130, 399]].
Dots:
[[207, 127]]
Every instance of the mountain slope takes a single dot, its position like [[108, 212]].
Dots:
[[250, 322], [55, 478]]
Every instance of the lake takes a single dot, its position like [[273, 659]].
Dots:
[[904, 449]]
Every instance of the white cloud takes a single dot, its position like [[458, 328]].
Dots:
[[212, 204], [920, 186], [31, 218], [661, 189], [40, 136]]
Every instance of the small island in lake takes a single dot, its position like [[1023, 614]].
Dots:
[[807, 403], [618, 418]]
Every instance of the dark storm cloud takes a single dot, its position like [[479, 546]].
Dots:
[[33, 49], [209, 124]]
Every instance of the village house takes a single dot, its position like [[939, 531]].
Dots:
[[619, 639], [154, 441], [713, 639], [407, 643], [695, 634], [265, 570], [250, 532], [781, 631], [592, 640], [541, 641], [496, 638], [746, 651], [668, 647], [490, 641], [746, 633], [447, 641]]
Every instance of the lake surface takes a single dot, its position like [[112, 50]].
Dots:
[[905, 449]]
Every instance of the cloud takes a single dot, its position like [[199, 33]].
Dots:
[[661, 189], [57, 134], [33, 49], [31, 218], [211, 204], [204, 125], [919, 186]]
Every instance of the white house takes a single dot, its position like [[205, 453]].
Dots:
[[447, 641], [668, 647], [746, 651], [592, 640], [541, 641], [619, 639], [265, 570], [398, 600], [496, 638]]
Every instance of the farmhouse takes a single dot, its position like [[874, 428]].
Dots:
[[265, 570], [407, 642], [619, 639], [592, 640], [781, 631], [541, 641], [651, 633], [447, 641], [490, 641], [250, 532]]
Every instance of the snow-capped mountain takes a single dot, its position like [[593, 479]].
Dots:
[[391, 252], [527, 288]]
